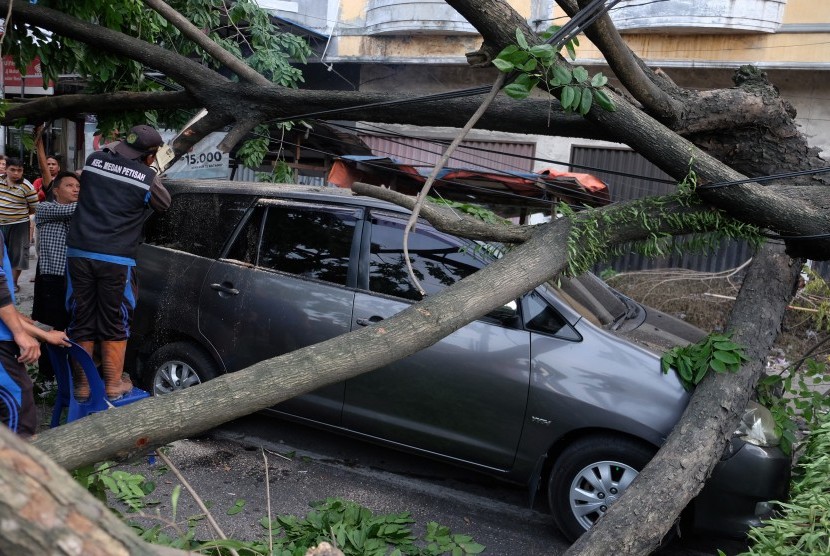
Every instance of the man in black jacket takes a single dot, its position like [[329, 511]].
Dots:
[[118, 189]]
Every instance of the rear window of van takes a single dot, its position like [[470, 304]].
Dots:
[[198, 223]]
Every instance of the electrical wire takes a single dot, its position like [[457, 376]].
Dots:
[[766, 178], [542, 203], [587, 196], [481, 149]]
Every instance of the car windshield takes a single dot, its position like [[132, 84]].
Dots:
[[595, 300], [587, 294]]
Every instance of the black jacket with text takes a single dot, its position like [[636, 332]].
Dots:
[[116, 196]]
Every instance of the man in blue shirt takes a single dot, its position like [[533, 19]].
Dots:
[[18, 347]]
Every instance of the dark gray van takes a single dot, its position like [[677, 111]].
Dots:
[[561, 388]]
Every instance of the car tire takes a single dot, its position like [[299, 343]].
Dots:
[[591, 474], [178, 366]]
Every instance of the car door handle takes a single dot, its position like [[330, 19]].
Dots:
[[370, 320], [225, 289]]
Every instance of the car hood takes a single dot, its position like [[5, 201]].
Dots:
[[658, 331]]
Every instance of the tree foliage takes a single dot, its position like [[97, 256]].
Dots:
[[241, 27]]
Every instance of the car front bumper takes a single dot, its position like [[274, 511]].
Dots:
[[742, 484]]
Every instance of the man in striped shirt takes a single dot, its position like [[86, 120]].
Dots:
[[52, 220], [18, 200]]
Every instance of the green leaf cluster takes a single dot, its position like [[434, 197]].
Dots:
[[252, 152], [476, 211], [542, 65], [802, 527], [103, 480], [353, 528], [796, 395], [715, 353], [589, 239], [441, 541]]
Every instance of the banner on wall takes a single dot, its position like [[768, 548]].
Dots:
[[204, 160]]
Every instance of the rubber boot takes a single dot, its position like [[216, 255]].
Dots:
[[116, 382], [79, 376]]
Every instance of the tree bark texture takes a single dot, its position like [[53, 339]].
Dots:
[[790, 212], [637, 522], [43, 510]]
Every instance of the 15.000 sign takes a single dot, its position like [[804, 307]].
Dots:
[[203, 158]]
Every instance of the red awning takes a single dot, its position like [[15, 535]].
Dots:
[[549, 184]]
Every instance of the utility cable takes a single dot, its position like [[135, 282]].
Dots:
[[768, 177], [567, 32], [544, 186], [482, 149]]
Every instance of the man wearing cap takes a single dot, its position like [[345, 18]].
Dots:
[[118, 191]]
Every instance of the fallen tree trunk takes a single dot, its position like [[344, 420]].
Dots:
[[44, 511], [637, 522]]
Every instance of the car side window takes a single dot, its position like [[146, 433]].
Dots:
[[245, 246], [305, 240], [198, 223], [539, 316], [437, 261]]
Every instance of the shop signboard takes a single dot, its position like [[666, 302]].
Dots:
[[29, 82]]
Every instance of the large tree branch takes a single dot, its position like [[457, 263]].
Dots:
[[240, 68], [239, 131], [190, 74], [128, 431], [529, 116], [51, 107], [750, 202]]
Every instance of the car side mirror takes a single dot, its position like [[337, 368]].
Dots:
[[505, 313]]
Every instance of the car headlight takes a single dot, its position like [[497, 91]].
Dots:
[[757, 426]]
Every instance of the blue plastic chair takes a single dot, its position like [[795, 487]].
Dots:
[[61, 358], [11, 407]]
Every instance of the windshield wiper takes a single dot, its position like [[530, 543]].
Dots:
[[632, 309]]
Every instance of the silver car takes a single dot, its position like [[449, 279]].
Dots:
[[560, 390]]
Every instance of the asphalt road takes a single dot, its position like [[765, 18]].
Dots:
[[305, 464]]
